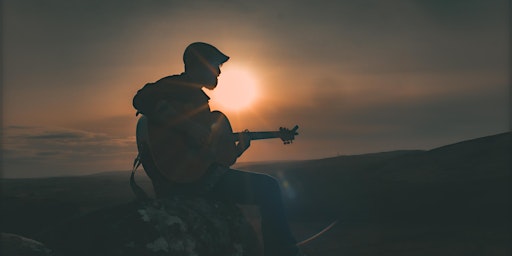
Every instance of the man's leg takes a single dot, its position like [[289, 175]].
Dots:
[[263, 190]]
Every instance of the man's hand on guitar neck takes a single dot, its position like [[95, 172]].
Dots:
[[244, 142]]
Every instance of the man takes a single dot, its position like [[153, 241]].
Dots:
[[178, 103]]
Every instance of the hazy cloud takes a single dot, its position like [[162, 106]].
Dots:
[[55, 136], [357, 76], [66, 151]]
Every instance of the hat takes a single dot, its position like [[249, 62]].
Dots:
[[200, 53]]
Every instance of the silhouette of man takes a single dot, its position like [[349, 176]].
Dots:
[[180, 97]]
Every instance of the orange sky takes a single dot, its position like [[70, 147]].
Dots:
[[356, 77]]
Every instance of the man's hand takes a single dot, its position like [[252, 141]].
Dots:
[[244, 141]]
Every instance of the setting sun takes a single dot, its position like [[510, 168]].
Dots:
[[236, 90]]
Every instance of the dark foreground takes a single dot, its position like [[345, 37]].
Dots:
[[453, 200]]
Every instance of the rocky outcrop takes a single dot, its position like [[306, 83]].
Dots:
[[185, 226], [15, 245]]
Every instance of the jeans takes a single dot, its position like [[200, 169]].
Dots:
[[263, 190]]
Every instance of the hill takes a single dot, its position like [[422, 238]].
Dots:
[[486, 157], [450, 183]]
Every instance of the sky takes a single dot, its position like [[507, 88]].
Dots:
[[356, 76]]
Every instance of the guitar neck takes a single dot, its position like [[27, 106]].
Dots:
[[260, 135]]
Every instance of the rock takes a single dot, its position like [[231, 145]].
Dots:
[[16, 245], [185, 226]]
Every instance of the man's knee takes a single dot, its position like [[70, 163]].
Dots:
[[268, 183]]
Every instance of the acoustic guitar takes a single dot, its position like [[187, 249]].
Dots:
[[179, 159]]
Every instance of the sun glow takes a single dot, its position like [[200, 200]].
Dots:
[[237, 89]]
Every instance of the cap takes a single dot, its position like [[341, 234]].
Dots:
[[200, 53]]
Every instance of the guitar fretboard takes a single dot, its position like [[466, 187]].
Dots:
[[260, 135], [284, 134]]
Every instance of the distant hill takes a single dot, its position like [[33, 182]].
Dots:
[[486, 157], [472, 176]]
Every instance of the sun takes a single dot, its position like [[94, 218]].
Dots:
[[237, 89]]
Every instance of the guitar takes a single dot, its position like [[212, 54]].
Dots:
[[175, 156]]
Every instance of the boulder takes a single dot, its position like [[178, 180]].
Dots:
[[16, 245], [187, 226]]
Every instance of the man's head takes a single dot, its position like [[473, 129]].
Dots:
[[202, 63]]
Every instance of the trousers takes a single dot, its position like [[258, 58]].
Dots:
[[249, 188]]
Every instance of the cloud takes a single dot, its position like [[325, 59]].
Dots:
[[36, 151], [355, 75], [55, 136], [376, 36], [374, 112]]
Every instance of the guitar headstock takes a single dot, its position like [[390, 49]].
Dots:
[[287, 135]]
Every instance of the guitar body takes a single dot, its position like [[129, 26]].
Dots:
[[175, 155]]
